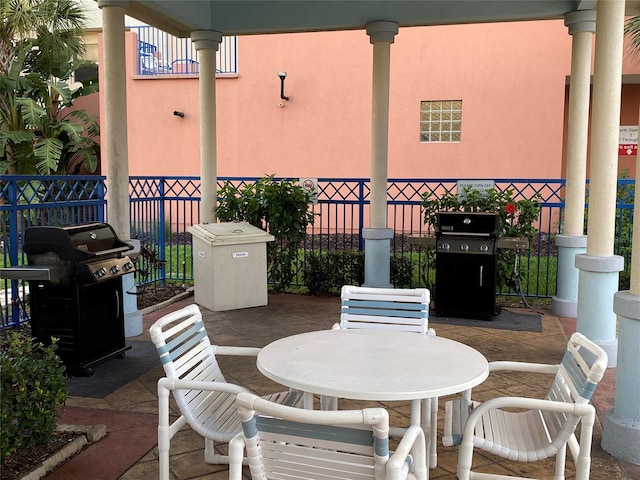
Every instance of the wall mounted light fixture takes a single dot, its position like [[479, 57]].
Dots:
[[178, 114], [282, 76]]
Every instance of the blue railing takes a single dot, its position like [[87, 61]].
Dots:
[[163, 208], [160, 53], [27, 201]]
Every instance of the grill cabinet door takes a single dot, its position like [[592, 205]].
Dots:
[[87, 320], [465, 285]]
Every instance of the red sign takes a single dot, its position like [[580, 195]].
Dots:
[[624, 150]]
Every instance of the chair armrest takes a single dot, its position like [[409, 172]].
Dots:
[[335, 326], [167, 384], [412, 443], [504, 366], [523, 367], [579, 409], [240, 351]]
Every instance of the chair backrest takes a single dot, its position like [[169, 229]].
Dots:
[[187, 354], [401, 309], [288, 442], [582, 367]]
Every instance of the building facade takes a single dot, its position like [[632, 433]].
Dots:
[[466, 101]]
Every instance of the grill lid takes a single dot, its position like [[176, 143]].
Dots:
[[467, 223], [74, 243]]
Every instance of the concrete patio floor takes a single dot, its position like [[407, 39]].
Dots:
[[129, 450]]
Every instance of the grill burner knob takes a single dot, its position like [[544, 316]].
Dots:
[[127, 266], [484, 247], [115, 269], [464, 247], [445, 246], [101, 272]]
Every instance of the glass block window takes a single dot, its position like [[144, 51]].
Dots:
[[440, 120]]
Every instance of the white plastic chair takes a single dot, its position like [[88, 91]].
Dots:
[[402, 309], [399, 309], [539, 428], [284, 442], [204, 398]]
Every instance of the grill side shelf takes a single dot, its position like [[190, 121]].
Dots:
[[36, 273], [427, 240]]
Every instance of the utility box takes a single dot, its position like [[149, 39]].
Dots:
[[230, 265]]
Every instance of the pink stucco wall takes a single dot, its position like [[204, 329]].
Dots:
[[511, 78]]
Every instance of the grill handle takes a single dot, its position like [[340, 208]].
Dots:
[[481, 274], [117, 303], [110, 251]]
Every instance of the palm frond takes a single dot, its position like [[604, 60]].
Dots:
[[25, 159], [90, 122], [31, 112], [17, 136], [48, 151], [73, 130], [61, 90], [632, 31]]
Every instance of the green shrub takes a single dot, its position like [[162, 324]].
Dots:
[[625, 196], [32, 387], [279, 207], [625, 281], [401, 271], [326, 272]]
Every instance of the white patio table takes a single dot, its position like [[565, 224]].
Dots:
[[374, 365]]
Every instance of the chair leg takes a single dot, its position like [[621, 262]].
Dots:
[[163, 454], [583, 459], [465, 459], [210, 455], [164, 431], [236, 449], [561, 457]]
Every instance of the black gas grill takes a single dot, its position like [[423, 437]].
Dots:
[[75, 290], [466, 264]]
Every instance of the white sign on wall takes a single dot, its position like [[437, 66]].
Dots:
[[311, 186], [470, 185], [628, 143]]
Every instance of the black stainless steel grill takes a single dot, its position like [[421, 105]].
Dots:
[[75, 290], [466, 264]]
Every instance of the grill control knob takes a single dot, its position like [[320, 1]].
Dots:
[[445, 246], [115, 269], [127, 266], [101, 272], [464, 247], [484, 247]]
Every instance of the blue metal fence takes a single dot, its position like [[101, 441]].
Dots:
[[163, 208]]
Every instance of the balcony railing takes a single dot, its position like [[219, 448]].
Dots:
[[160, 53]]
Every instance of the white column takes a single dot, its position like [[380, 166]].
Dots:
[[621, 434], [114, 135], [599, 267], [377, 236], [572, 241], [116, 147], [206, 43]]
